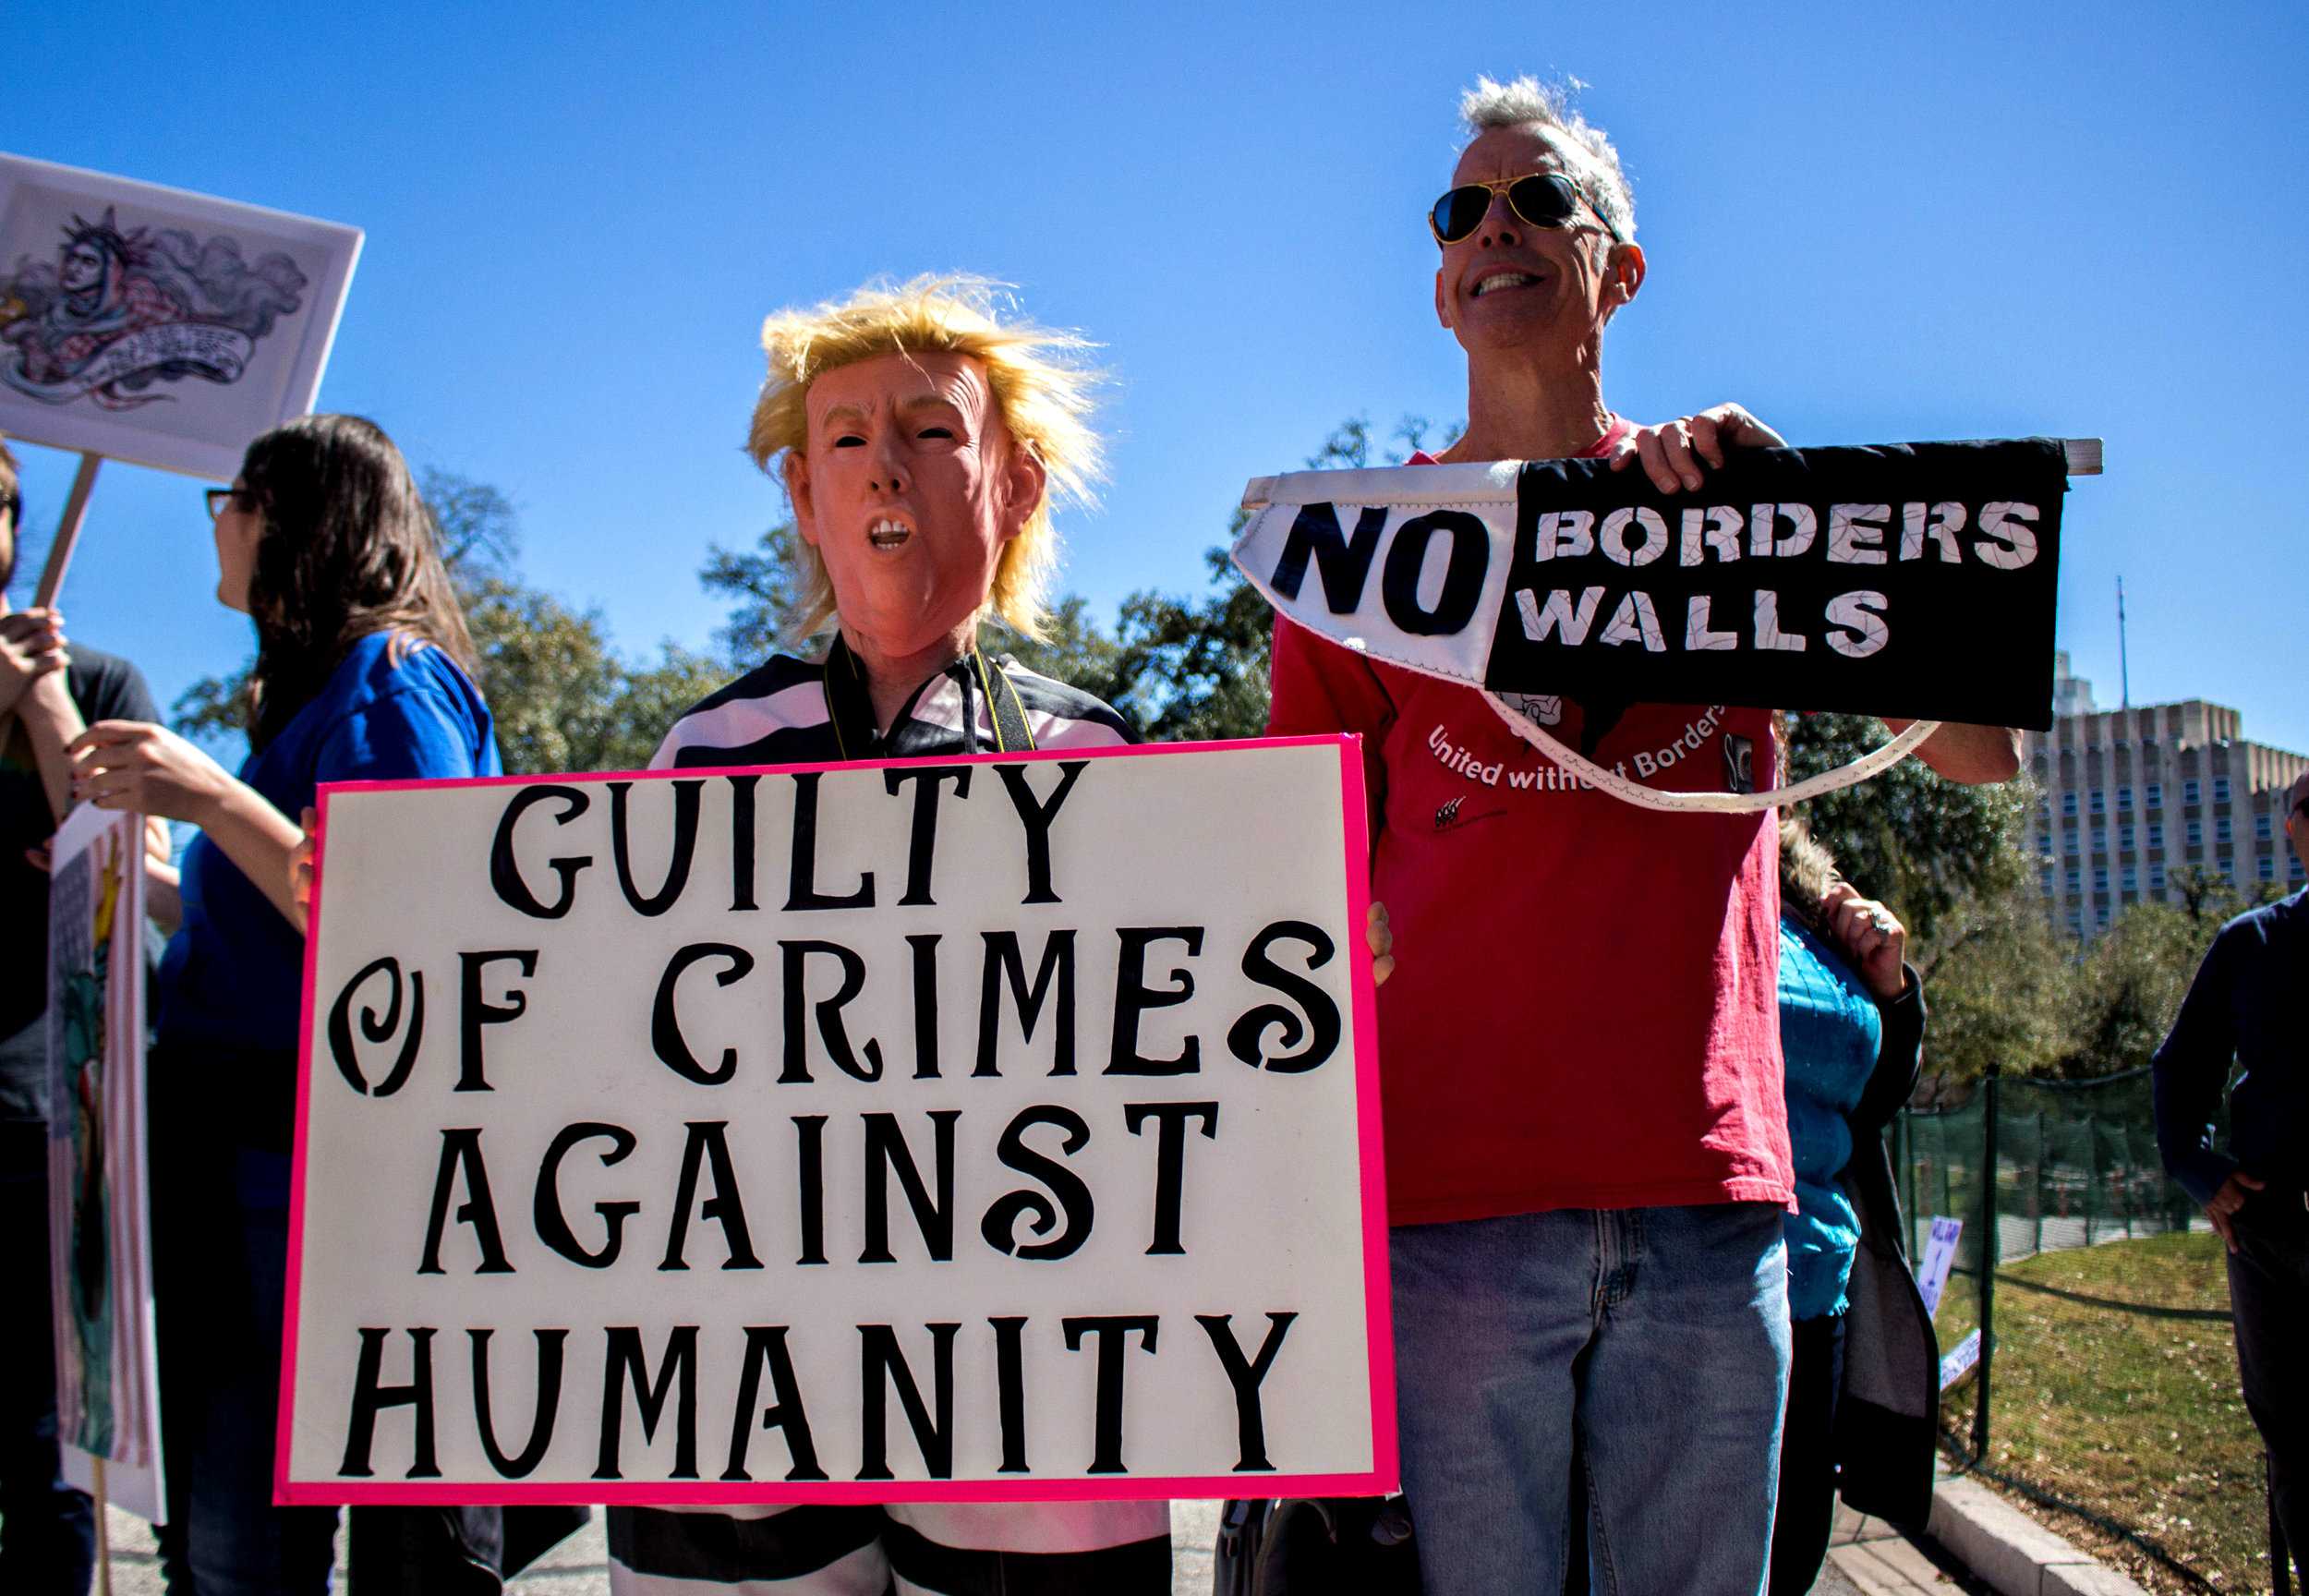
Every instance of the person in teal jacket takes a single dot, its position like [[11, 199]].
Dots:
[[1852, 1034]]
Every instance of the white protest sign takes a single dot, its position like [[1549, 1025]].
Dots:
[[1962, 1360], [1939, 1257], [158, 326], [99, 1241], [981, 1129]]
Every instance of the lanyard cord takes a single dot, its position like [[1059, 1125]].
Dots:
[[850, 707], [1644, 797]]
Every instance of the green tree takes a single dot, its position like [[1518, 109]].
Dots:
[[2128, 987], [1074, 650], [1999, 983], [1909, 836], [2130, 979], [763, 593], [563, 698], [1194, 667]]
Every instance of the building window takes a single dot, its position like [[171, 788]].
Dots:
[[2261, 827], [2156, 833], [2196, 833], [2073, 881], [2100, 916], [2269, 868], [2220, 828], [2068, 803], [2101, 878], [2191, 790], [2125, 798], [2044, 882], [2124, 836], [2157, 879], [2229, 871], [2099, 801], [2221, 789], [2068, 841], [2132, 879], [2156, 795], [2294, 869], [2076, 923]]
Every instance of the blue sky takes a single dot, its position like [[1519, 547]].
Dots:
[[1869, 224]]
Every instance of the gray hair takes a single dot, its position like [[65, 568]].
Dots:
[[1583, 146]]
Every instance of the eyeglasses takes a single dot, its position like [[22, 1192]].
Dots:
[[1540, 199], [240, 498]]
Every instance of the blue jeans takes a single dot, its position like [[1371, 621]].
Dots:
[[47, 1530], [219, 1222], [1657, 1337]]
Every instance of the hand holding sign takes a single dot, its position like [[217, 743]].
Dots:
[[1672, 453], [985, 1127], [1905, 580]]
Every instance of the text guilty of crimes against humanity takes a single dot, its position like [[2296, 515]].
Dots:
[[930, 1100]]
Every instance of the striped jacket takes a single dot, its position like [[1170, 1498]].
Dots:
[[798, 711]]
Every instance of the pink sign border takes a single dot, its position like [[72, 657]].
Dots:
[[1381, 1477]]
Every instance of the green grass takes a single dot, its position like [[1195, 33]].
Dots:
[[2136, 1418]]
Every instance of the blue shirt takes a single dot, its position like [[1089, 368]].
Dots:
[[233, 975], [2246, 1003], [1830, 1033]]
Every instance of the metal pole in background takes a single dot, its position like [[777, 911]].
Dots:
[[1990, 1249], [2092, 1174], [1908, 1124]]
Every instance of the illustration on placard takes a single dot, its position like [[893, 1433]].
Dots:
[[100, 1278], [89, 887], [122, 312]]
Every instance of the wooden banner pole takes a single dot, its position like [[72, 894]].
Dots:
[[2082, 455], [68, 532], [103, 1534]]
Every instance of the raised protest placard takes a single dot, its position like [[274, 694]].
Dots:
[[1939, 1257], [1912, 580], [100, 1244], [980, 1128], [157, 326]]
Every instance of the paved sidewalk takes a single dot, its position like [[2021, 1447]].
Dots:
[[1874, 1559], [1867, 1558]]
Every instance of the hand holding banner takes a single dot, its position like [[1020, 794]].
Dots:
[[1911, 580]]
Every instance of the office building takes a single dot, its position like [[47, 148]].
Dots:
[[2131, 796]]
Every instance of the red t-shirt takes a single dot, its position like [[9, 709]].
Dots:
[[1584, 1011]]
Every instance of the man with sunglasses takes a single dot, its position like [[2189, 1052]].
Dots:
[[1587, 1146], [2245, 1005]]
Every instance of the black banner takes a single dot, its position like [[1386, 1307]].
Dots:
[[1910, 580]]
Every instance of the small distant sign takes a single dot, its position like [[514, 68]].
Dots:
[[1960, 1359], [1939, 1256]]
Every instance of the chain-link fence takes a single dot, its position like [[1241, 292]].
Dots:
[[2106, 1385]]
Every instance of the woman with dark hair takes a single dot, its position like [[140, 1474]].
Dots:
[[364, 670]]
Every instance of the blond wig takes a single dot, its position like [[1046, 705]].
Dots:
[[1040, 384]]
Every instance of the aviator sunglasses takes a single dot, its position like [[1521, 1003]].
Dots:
[[1541, 199]]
